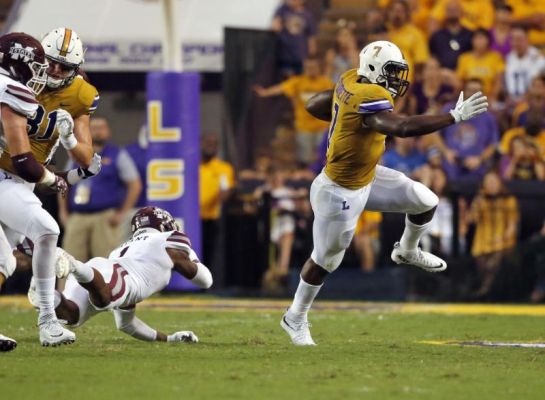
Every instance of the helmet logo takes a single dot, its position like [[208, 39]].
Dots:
[[377, 50], [19, 52]]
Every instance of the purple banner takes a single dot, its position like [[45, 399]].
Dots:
[[173, 100]]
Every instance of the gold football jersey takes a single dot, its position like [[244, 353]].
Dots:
[[354, 150], [78, 98]]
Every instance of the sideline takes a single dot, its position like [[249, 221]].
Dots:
[[196, 303]]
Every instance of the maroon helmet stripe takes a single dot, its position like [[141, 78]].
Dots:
[[20, 89], [21, 97]]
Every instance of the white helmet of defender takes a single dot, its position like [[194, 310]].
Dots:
[[382, 62], [63, 46]]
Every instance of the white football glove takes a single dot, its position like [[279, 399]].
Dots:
[[65, 126], [469, 108], [183, 336], [93, 169], [76, 175]]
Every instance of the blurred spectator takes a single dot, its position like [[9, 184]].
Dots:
[[441, 226], [299, 89], [534, 99], [420, 11], [342, 57], [482, 63], [137, 151], [296, 28], [367, 239], [532, 130], [216, 181], [282, 219], [95, 208], [404, 156], [523, 64], [375, 26], [407, 36], [531, 14], [495, 215], [500, 34], [524, 161], [449, 42], [468, 147], [431, 93], [475, 14]]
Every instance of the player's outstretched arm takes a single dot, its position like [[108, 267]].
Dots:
[[395, 125], [319, 105], [127, 322], [188, 265]]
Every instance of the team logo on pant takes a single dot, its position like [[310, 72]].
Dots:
[[345, 206]]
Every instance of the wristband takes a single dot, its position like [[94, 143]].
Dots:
[[73, 176], [49, 178], [69, 142]]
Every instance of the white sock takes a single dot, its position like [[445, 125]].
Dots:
[[45, 289], [83, 272], [56, 299], [43, 269], [302, 301], [412, 234]]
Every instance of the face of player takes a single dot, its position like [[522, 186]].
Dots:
[[57, 70]]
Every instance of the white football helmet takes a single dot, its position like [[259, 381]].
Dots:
[[382, 62], [63, 45]]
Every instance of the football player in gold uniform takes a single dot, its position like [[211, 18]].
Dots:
[[360, 109], [65, 105]]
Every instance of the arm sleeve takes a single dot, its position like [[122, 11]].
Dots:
[[374, 106], [127, 322], [178, 240], [126, 167], [88, 98]]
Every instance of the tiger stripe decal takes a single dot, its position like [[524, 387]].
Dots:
[[66, 42]]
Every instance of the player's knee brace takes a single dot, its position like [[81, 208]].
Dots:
[[426, 198]]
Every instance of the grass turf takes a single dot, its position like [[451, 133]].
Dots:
[[243, 354]]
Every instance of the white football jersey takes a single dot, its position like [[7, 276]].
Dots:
[[519, 72], [18, 97], [146, 261]]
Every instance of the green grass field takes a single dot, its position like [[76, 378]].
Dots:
[[368, 351]]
